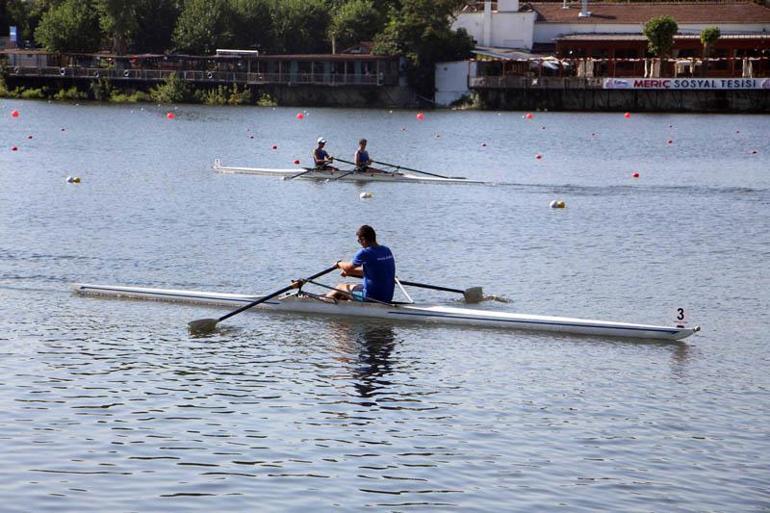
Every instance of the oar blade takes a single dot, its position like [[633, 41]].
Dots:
[[474, 295], [202, 325]]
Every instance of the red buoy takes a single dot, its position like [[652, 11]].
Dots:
[[670, 141], [627, 115], [538, 156], [170, 115], [420, 116], [528, 115], [635, 174], [14, 148], [14, 113], [275, 146], [300, 115], [296, 162], [29, 137]]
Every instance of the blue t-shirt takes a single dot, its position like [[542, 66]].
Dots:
[[362, 156], [379, 272], [320, 155]]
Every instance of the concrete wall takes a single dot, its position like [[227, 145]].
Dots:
[[716, 101], [452, 81]]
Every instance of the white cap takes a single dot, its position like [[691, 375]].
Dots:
[[321, 140]]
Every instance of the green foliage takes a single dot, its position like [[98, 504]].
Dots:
[[123, 97], [32, 93], [238, 97], [252, 24], [660, 33], [4, 92], [421, 32], [708, 37], [26, 14], [300, 26], [69, 94], [223, 95], [215, 96], [172, 90], [118, 19], [203, 26], [101, 90], [155, 25], [70, 26], [265, 100], [355, 21]]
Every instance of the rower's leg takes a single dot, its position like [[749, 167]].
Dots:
[[340, 292]]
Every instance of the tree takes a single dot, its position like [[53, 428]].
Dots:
[[252, 22], [421, 32], [71, 26], [203, 26], [118, 19], [156, 20], [708, 37], [26, 15], [660, 33], [300, 26], [354, 21]]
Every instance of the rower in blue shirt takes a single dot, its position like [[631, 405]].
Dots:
[[375, 264], [362, 160], [321, 158]]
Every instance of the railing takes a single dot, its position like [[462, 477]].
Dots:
[[213, 77]]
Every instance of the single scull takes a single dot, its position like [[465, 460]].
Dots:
[[340, 175], [305, 303]]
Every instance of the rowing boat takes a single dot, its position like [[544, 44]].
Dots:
[[339, 175], [305, 303]]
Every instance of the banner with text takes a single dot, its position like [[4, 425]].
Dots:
[[687, 83]]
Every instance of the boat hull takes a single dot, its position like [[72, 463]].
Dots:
[[340, 175], [438, 314]]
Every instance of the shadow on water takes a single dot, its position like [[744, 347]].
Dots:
[[368, 349]]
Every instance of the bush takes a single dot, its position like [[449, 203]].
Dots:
[[238, 97], [30, 94], [265, 100], [3, 88], [124, 97], [216, 96], [172, 90], [69, 94], [101, 90]]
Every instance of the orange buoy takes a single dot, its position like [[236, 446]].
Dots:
[[300, 115], [420, 116]]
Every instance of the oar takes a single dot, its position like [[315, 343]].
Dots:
[[472, 295], [418, 171], [207, 325], [306, 171]]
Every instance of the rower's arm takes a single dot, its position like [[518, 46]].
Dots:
[[350, 269]]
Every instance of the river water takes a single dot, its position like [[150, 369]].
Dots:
[[111, 405]]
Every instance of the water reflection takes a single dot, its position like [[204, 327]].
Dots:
[[368, 349]]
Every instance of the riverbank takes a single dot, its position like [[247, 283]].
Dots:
[[175, 90]]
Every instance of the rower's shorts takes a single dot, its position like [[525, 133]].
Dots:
[[358, 293]]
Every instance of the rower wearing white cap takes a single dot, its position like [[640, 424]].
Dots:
[[321, 157]]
